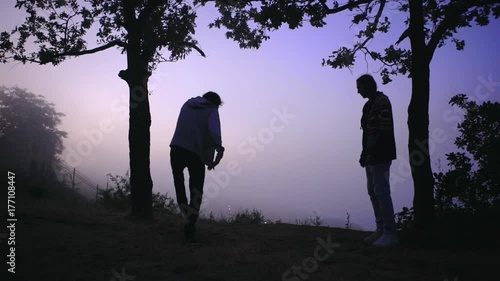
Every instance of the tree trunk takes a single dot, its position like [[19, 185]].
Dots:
[[137, 76], [418, 120], [139, 136], [139, 144]]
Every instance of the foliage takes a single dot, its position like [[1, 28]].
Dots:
[[473, 181], [315, 220], [241, 217], [348, 224], [430, 25], [405, 218], [60, 29], [248, 217], [118, 197], [211, 218], [249, 21], [467, 196], [278, 221], [54, 30], [24, 115], [305, 222]]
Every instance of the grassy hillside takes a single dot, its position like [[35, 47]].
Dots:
[[70, 240]]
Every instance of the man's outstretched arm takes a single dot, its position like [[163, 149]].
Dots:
[[215, 134]]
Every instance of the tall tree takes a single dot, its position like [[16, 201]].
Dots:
[[143, 29], [25, 118], [472, 182], [430, 24]]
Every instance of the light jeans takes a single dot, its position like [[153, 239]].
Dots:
[[379, 190]]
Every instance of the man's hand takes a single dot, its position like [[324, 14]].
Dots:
[[362, 161], [220, 154], [369, 159]]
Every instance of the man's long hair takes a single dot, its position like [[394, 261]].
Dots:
[[213, 97]]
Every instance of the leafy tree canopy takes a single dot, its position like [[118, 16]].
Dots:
[[473, 181], [59, 28], [248, 23], [26, 115]]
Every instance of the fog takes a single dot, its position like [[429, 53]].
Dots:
[[291, 128]]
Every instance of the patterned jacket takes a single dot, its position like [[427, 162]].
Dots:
[[378, 130]]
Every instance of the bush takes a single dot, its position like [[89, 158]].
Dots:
[[467, 196], [405, 218], [315, 220], [164, 205], [248, 217], [241, 217], [212, 219], [452, 228], [118, 197], [473, 181], [348, 224]]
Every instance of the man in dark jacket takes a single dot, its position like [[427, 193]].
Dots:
[[197, 136], [379, 149]]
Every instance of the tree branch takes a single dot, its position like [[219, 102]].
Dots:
[[403, 36], [379, 14], [375, 24], [377, 17], [350, 5], [443, 26], [40, 60], [95, 50], [192, 45], [450, 19]]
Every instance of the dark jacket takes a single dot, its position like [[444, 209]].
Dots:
[[378, 130], [198, 129]]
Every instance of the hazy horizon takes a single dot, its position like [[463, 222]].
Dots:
[[290, 126]]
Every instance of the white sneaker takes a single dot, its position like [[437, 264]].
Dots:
[[387, 241], [374, 237]]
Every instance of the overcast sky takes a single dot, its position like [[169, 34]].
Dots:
[[290, 126]]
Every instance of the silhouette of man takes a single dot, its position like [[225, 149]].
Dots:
[[379, 149], [196, 138]]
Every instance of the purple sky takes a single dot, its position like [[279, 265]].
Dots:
[[287, 169]]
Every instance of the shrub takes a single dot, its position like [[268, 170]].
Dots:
[[467, 196], [164, 205], [348, 220], [248, 217], [118, 197], [473, 180], [404, 219], [220, 219], [315, 220]]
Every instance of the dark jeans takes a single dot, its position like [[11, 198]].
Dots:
[[181, 158], [379, 191]]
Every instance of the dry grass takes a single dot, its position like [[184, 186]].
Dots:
[[70, 240]]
